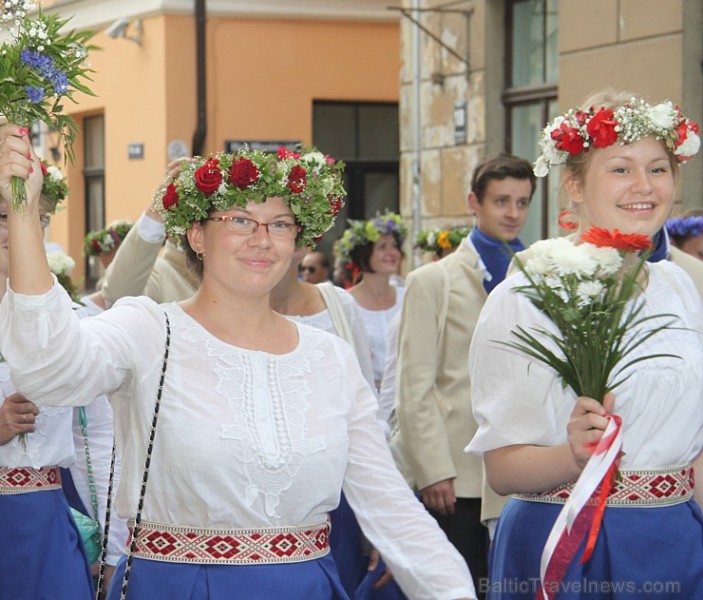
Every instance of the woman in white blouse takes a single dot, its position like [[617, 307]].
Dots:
[[42, 555], [374, 248], [261, 421], [620, 159]]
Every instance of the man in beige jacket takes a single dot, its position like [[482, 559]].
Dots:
[[442, 303], [147, 264]]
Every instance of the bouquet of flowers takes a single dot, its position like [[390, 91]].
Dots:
[[590, 293], [40, 66], [585, 290]]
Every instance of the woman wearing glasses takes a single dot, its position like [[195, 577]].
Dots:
[[260, 422]]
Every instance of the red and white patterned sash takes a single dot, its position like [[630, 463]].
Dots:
[[231, 546], [634, 488], [20, 480]]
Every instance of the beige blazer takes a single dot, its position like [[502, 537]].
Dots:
[[692, 265], [140, 268], [442, 303]]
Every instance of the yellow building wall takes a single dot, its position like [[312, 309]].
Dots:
[[262, 77]]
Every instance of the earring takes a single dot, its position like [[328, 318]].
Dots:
[[199, 255]]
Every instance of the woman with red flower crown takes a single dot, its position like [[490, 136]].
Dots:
[[237, 428], [641, 532]]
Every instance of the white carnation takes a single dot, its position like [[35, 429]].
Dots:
[[588, 290], [573, 260], [690, 145], [431, 238], [55, 173], [60, 263], [541, 168], [314, 158], [608, 259], [662, 115]]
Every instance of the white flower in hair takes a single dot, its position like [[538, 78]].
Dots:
[[662, 115], [689, 146]]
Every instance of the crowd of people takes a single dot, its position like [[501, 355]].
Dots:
[[231, 413]]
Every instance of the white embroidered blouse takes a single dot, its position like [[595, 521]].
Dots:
[[245, 439]]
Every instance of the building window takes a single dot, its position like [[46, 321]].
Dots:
[[530, 97], [366, 137], [94, 175]]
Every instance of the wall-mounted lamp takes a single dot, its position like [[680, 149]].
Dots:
[[119, 30]]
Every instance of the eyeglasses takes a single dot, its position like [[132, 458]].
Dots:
[[245, 226], [303, 268], [44, 219]]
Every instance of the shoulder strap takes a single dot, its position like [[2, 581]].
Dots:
[[150, 448], [339, 319]]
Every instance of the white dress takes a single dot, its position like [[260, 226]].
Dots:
[[246, 439], [520, 401], [376, 323]]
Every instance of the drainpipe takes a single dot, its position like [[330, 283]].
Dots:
[[417, 132], [200, 89]]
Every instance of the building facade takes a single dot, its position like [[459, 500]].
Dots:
[[482, 76], [176, 77]]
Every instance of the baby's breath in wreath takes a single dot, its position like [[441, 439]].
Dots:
[[39, 66]]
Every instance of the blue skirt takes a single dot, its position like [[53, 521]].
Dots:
[[345, 546], [41, 553], [640, 552], [156, 580]]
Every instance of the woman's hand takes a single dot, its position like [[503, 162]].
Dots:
[[17, 159], [586, 426], [173, 170], [386, 577], [17, 415]]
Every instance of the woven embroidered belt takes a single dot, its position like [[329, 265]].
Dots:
[[156, 541], [660, 487], [21, 480]]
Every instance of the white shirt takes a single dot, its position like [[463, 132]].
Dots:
[[51, 444], [519, 401], [245, 439], [376, 323], [100, 436], [323, 320]]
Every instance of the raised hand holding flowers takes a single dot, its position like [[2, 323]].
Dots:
[[39, 67]]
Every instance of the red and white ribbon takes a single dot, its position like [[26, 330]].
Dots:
[[582, 512]]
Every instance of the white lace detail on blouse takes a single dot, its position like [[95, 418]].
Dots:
[[267, 395]]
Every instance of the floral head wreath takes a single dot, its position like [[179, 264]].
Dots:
[[436, 240], [104, 240], [578, 131], [365, 232], [309, 182], [685, 226], [54, 187]]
